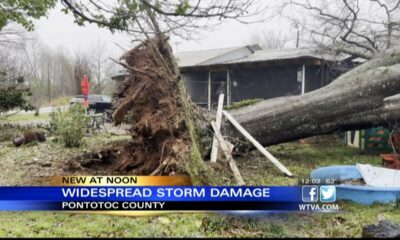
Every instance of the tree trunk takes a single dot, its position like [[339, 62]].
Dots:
[[360, 98]]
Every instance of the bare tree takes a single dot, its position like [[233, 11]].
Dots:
[[64, 74], [49, 73], [10, 73], [12, 36], [32, 51], [37, 74], [360, 28], [179, 17], [13, 88], [99, 58], [111, 69], [269, 39]]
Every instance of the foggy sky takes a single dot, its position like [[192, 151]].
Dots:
[[59, 30]]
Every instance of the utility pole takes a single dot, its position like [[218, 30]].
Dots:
[[296, 26], [48, 80]]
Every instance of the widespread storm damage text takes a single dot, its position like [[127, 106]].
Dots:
[[169, 192]]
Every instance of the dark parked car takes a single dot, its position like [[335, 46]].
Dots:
[[97, 103]]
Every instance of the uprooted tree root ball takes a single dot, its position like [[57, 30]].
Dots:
[[160, 141]]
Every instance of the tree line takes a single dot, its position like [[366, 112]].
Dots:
[[27, 63]]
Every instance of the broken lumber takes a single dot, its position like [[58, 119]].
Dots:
[[247, 135], [214, 150], [160, 167], [228, 155]]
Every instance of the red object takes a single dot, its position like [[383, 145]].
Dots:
[[85, 103], [85, 86], [392, 160]]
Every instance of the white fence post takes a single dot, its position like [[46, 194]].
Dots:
[[214, 150], [257, 144]]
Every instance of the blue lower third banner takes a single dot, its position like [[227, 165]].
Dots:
[[176, 198]]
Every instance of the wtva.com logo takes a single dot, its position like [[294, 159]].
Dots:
[[323, 193]]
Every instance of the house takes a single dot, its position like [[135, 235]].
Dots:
[[248, 72]]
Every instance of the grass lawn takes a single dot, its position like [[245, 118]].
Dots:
[[60, 101], [256, 170], [28, 117]]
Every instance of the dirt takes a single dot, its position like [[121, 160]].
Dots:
[[353, 182], [159, 132]]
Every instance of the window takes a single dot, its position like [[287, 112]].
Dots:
[[299, 74]]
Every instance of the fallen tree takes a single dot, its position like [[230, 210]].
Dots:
[[168, 132], [360, 98], [154, 100]]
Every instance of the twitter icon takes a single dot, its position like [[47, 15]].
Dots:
[[327, 193]]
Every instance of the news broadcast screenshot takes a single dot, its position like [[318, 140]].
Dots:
[[199, 119]]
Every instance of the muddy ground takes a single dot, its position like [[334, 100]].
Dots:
[[28, 164]]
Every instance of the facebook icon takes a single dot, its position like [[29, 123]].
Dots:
[[310, 194]]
